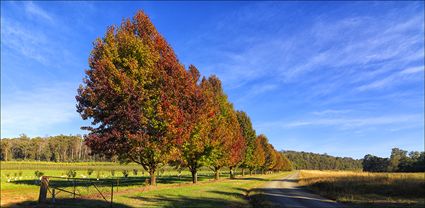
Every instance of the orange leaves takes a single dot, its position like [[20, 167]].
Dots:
[[132, 93], [144, 104]]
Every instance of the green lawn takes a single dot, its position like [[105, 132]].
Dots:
[[19, 187], [224, 193]]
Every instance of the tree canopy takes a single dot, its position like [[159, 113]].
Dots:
[[145, 107]]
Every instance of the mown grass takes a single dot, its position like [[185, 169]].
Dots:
[[22, 185], [19, 187], [209, 193], [362, 189]]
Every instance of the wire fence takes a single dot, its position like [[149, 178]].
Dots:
[[53, 189]]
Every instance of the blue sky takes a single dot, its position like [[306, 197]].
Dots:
[[341, 78]]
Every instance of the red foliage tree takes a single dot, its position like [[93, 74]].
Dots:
[[135, 94], [196, 148]]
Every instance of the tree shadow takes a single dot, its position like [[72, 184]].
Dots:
[[190, 202], [386, 205], [64, 183], [67, 203], [303, 196], [288, 197], [250, 179], [119, 181]]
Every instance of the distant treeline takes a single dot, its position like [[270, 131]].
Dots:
[[72, 148], [314, 161], [399, 161], [59, 148]]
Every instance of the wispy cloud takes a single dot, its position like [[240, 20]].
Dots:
[[348, 123], [328, 53], [34, 10], [36, 41], [330, 112], [395, 78], [37, 111], [27, 42]]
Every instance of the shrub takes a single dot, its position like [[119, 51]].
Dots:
[[89, 171], [71, 173], [125, 173], [38, 174]]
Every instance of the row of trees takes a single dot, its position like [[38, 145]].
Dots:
[[59, 148], [399, 161], [145, 107], [314, 161]]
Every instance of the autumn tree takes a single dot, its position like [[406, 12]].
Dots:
[[196, 149], [237, 143], [259, 155], [278, 166], [225, 140], [249, 134], [269, 152], [134, 95], [286, 163]]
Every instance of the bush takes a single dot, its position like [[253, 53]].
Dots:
[[89, 171], [71, 173], [38, 174], [125, 173]]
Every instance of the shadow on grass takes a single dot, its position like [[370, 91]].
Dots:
[[190, 202], [250, 179], [385, 205], [275, 197], [120, 182], [67, 203]]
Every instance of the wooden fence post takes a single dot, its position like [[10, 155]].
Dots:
[[73, 184], [112, 193], [44, 185], [53, 196]]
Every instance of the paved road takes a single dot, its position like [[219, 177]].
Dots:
[[287, 193]]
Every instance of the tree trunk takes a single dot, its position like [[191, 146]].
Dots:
[[194, 175], [216, 174], [231, 173], [243, 171], [153, 177]]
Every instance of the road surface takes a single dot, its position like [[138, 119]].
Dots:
[[287, 193]]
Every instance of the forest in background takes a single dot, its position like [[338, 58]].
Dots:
[[314, 161], [72, 148], [399, 161]]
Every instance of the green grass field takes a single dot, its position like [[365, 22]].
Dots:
[[19, 186]]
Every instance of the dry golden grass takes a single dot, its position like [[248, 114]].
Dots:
[[363, 189]]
